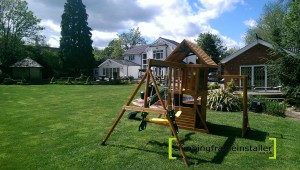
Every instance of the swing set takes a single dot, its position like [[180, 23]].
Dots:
[[181, 80]]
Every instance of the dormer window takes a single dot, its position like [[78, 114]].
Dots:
[[158, 54], [131, 57]]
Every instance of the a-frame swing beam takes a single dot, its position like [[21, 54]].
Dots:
[[147, 76], [123, 110]]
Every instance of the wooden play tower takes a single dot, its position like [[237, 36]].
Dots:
[[184, 79]]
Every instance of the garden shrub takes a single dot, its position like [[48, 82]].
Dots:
[[293, 95], [213, 86], [23, 82], [223, 100], [115, 81], [9, 81], [275, 108], [230, 86], [3, 76], [131, 78]]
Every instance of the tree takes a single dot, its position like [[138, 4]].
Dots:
[[76, 49], [17, 26], [114, 50], [131, 38], [269, 26], [116, 47], [212, 45], [286, 66], [291, 26]]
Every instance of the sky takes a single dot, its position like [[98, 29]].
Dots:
[[172, 19]]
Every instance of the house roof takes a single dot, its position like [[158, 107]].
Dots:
[[247, 47], [139, 49], [158, 42], [125, 62], [27, 62], [171, 41], [120, 62], [185, 49]]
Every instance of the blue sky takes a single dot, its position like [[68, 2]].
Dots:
[[172, 19], [232, 24]]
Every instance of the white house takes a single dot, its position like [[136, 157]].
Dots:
[[135, 59], [111, 68]]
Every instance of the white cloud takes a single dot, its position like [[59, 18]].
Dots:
[[100, 38], [49, 24], [174, 19], [250, 23], [53, 41], [230, 43], [179, 21]]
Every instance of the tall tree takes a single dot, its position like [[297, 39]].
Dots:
[[212, 45], [114, 50], [291, 26], [132, 38], [76, 49], [286, 67], [17, 26], [116, 47], [269, 26]]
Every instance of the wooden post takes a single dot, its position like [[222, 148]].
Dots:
[[245, 107], [177, 141], [157, 91]]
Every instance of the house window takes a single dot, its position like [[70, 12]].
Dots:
[[158, 54], [144, 61], [259, 76], [131, 57], [103, 71]]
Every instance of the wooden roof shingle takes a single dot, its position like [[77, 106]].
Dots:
[[185, 49]]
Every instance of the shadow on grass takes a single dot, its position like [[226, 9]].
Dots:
[[192, 160], [232, 133], [229, 131], [215, 129]]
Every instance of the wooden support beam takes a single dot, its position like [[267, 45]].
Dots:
[[227, 76], [177, 140], [245, 107], [143, 109], [123, 111], [159, 63], [199, 66]]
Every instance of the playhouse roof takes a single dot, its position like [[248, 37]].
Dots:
[[187, 48], [27, 62]]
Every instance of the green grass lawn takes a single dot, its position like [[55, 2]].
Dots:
[[60, 127]]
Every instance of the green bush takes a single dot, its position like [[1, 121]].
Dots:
[[115, 81], [230, 86], [222, 100], [3, 76], [214, 85], [275, 108], [23, 82], [254, 98], [9, 81]]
